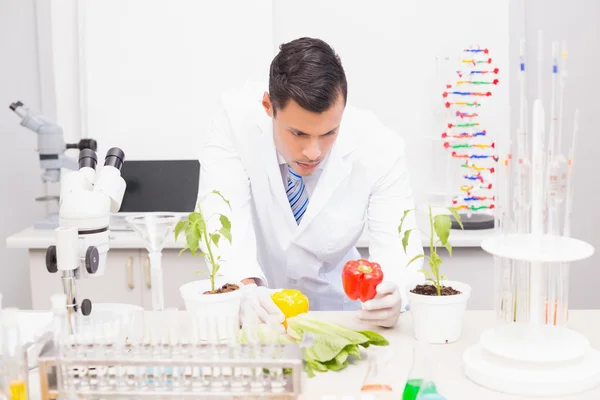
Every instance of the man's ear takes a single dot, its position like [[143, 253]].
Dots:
[[266, 102]]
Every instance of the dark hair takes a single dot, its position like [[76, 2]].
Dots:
[[308, 71]]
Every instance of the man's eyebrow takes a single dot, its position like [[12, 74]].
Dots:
[[299, 132]]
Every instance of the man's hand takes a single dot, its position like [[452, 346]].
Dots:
[[385, 308], [258, 307]]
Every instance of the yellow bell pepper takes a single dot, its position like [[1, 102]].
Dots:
[[291, 302]]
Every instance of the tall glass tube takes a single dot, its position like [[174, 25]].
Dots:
[[15, 368]]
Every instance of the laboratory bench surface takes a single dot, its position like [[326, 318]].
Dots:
[[31, 238], [449, 377]]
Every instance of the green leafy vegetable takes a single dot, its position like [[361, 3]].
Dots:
[[332, 344]]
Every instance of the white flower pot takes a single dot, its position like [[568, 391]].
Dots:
[[439, 319], [217, 314]]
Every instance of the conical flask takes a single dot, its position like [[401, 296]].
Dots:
[[378, 379], [420, 372]]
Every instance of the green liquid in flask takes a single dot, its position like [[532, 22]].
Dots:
[[412, 387]]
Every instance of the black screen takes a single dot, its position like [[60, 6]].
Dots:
[[160, 185]]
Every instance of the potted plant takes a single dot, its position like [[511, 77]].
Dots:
[[216, 298], [438, 306]]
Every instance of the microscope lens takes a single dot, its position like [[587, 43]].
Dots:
[[115, 158], [87, 158]]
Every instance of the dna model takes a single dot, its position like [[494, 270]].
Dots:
[[466, 137]]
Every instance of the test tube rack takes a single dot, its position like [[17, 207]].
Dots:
[[205, 371], [165, 355]]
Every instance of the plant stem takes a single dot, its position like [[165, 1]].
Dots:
[[210, 254], [432, 249], [212, 262]]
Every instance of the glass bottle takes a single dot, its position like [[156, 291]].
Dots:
[[14, 358], [421, 371]]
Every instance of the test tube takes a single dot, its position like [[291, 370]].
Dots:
[[15, 368], [175, 326], [203, 350], [275, 350]]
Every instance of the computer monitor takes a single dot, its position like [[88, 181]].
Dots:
[[160, 186]]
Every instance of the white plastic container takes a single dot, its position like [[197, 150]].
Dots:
[[439, 319], [219, 311]]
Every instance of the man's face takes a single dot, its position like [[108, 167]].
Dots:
[[304, 138]]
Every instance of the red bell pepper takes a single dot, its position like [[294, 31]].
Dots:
[[360, 279]]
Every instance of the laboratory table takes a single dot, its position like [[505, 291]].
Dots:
[[448, 357], [450, 375]]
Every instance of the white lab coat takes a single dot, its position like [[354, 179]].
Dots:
[[364, 181]]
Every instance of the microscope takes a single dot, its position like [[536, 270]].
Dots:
[[87, 198], [51, 147]]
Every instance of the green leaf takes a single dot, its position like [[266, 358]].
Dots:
[[309, 370], [402, 220], [456, 216], [226, 227], [352, 350], [201, 272], [215, 238], [225, 221], [192, 237], [226, 233], [405, 239], [375, 338], [449, 248], [442, 225], [435, 259], [215, 269], [326, 347], [200, 226], [427, 273], [415, 258], [181, 226], [317, 365], [224, 199], [333, 365]]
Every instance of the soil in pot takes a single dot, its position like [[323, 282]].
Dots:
[[226, 288], [430, 290]]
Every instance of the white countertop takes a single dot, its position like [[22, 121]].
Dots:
[[31, 238], [450, 379]]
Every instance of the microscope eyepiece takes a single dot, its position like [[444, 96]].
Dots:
[[84, 144], [115, 158], [87, 158], [14, 106]]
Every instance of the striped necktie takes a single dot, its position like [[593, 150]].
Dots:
[[297, 195]]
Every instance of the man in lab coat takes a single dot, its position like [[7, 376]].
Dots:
[[304, 174]]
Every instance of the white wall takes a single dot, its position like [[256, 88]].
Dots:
[[19, 162], [154, 70]]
